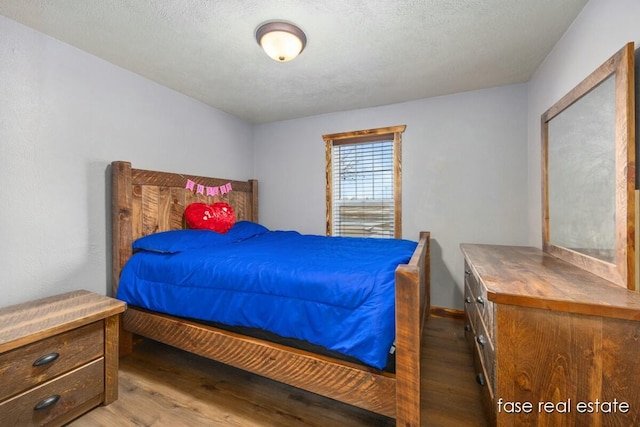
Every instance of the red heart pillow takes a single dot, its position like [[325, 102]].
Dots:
[[218, 216]]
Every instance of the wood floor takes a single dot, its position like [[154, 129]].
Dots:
[[163, 386]]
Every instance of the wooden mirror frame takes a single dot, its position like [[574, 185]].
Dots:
[[623, 271]]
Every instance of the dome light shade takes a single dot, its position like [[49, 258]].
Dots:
[[281, 41]]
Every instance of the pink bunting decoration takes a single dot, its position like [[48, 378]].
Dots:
[[210, 191]]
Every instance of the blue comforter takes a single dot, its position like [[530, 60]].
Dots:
[[336, 292]]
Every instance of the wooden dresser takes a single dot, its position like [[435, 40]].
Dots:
[[553, 345], [58, 358]]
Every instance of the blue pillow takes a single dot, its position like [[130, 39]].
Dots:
[[242, 230], [174, 241]]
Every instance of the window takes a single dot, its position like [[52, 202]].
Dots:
[[364, 183]]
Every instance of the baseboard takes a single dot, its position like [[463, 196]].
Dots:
[[452, 313]]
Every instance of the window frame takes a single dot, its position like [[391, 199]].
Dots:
[[367, 136]]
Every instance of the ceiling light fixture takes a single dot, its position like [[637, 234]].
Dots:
[[280, 40]]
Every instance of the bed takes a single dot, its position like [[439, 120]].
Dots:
[[148, 202]]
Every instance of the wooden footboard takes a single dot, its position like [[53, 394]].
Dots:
[[147, 201], [412, 308]]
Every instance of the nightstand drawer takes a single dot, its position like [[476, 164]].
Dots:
[[24, 367], [80, 388], [58, 354]]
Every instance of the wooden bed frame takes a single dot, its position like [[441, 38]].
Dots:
[[145, 202]]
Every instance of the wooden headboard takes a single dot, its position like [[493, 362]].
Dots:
[[145, 202]]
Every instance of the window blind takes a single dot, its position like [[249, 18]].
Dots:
[[363, 189]]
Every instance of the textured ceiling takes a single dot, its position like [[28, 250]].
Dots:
[[360, 53]]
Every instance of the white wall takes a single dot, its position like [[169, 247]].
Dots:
[[464, 173], [602, 28], [64, 116]]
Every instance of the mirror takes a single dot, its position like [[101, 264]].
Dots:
[[582, 197], [588, 155]]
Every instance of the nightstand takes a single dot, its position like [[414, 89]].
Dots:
[[58, 358]]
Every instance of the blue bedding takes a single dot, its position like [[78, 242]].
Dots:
[[336, 292]]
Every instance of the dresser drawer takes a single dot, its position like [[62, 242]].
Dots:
[[24, 367], [485, 348], [470, 311], [480, 335], [487, 395], [471, 280], [82, 387], [478, 296], [486, 312]]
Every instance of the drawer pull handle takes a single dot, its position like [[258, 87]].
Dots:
[[467, 272], [480, 379], [46, 359], [467, 327], [480, 300], [467, 300], [481, 340], [47, 402]]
